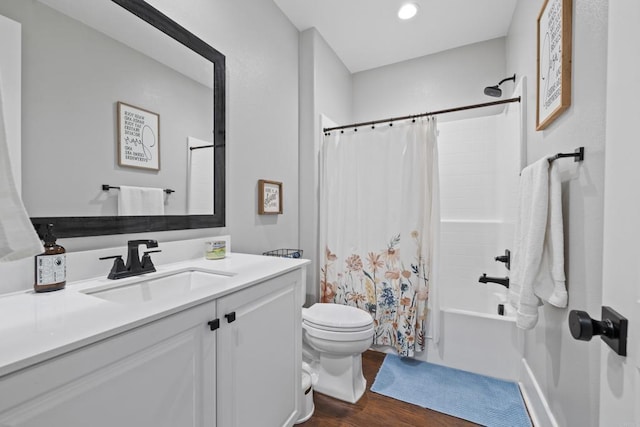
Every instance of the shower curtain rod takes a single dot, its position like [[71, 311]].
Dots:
[[432, 113]]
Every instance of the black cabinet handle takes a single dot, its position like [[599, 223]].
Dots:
[[214, 324], [231, 317]]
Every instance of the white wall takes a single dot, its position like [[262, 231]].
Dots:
[[325, 89], [261, 48], [447, 79], [568, 370]]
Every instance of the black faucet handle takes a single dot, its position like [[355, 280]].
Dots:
[[506, 258], [146, 263], [118, 266], [110, 257]]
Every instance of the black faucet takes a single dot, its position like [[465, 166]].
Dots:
[[134, 265], [504, 281], [133, 258]]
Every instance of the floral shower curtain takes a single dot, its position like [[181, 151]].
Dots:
[[379, 217]]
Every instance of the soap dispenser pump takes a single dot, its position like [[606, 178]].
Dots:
[[51, 265]]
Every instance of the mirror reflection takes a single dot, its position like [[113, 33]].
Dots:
[[73, 79], [76, 71]]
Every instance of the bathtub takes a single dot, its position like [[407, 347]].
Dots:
[[473, 337], [480, 340]]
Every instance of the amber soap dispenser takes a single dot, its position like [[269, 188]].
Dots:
[[51, 265]]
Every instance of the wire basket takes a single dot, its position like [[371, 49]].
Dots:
[[285, 253]]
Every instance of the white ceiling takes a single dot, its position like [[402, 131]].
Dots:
[[367, 34]]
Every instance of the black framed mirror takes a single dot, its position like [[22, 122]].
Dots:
[[79, 226]]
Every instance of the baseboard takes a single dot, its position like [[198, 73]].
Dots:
[[534, 398]]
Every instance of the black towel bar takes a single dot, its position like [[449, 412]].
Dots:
[[198, 147], [107, 187], [578, 155]]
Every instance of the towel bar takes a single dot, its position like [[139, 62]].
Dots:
[[201, 146], [107, 187], [578, 155]]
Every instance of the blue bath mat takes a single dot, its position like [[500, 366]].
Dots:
[[476, 398]]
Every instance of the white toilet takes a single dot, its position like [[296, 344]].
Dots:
[[334, 338]]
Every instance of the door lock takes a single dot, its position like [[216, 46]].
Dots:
[[612, 328]]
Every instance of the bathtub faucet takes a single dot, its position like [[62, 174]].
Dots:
[[504, 281]]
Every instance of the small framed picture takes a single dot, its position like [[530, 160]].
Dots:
[[554, 61], [138, 137], [269, 197]]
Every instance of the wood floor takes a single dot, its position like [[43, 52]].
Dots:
[[375, 409]]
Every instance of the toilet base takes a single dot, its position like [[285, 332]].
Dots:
[[340, 376]]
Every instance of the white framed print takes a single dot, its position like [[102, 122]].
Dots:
[[269, 197], [138, 137], [554, 61]]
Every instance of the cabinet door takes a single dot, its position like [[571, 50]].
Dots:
[[160, 374], [259, 354]]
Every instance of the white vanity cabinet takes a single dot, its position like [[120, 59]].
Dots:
[[160, 374], [259, 354], [182, 370]]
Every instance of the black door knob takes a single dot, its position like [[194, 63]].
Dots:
[[612, 328], [583, 327]]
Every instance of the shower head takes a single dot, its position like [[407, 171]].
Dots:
[[495, 91]]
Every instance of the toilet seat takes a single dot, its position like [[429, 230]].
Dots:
[[337, 322], [336, 317], [338, 335], [337, 328]]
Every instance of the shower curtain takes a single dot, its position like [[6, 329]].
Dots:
[[379, 224]]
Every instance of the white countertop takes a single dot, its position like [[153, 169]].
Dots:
[[35, 327]]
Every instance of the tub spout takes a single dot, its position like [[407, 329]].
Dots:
[[504, 281]]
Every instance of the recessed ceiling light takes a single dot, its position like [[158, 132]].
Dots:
[[407, 11]]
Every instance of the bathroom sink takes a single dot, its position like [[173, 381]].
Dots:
[[158, 288]]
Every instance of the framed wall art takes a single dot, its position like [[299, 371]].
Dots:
[[554, 61], [269, 197], [138, 137]]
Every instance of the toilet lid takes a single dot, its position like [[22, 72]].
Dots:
[[337, 317]]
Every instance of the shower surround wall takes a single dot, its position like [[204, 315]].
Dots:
[[477, 224], [479, 166]]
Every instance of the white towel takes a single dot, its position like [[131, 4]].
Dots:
[[200, 179], [18, 238], [537, 270], [137, 201], [550, 282]]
